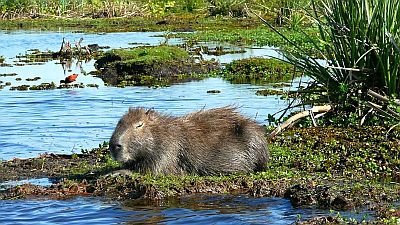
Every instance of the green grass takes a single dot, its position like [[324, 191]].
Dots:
[[258, 71], [125, 8], [143, 55], [151, 54], [359, 41], [152, 66], [258, 36]]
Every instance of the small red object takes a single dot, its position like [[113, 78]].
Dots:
[[71, 78]]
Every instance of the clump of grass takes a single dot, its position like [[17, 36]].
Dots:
[[258, 71], [258, 36], [358, 41], [151, 66], [143, 55], [70, 8]]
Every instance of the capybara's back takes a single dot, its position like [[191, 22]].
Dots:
[[207, 142]]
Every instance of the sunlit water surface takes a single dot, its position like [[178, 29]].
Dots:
[[202, 209]]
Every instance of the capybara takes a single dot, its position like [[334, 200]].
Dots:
[[207, 142]]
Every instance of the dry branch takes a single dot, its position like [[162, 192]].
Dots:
[[316, 109]]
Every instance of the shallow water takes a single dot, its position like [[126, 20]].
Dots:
[[199, 209], [68, 120]]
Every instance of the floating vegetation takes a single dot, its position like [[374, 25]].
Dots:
[[18, 79], [268, 92], [92, 85], [216, 51], [138, 43], [33, 79], [50, 86], [20, 88], [282, 93], [5, 65], [151, 66], [213, 91], [258, 36], [43, 86], [8, 74], [67, 86], [281, 85], [258, 71]]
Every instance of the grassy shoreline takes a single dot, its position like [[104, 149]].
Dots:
[[192, 28], [302, 168]]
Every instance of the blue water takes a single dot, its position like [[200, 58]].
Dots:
[[68, 120], [203, 209]]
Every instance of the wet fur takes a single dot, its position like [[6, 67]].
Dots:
[[207, 142]]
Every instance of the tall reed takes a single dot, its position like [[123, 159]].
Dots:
[[359, 43]]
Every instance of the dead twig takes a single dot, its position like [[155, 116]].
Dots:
[[316, 109]]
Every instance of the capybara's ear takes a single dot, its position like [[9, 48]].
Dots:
[[151, 110], [150, 113]]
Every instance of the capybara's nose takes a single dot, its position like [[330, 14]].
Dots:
[[115, 148], [118, 147]]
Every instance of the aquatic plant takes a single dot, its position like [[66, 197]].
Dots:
[[154, 8], [150, 66], [258, 36], [258, 71], [358, 41], [70, 8]]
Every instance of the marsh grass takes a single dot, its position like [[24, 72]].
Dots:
[[70, 8], [11, 9], [358, 43]]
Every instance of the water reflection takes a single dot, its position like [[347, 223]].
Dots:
[[222, 209], [196, 209]]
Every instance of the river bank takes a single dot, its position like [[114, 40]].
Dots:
[[327, 168]]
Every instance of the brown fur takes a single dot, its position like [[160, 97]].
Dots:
[[207, 142]]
